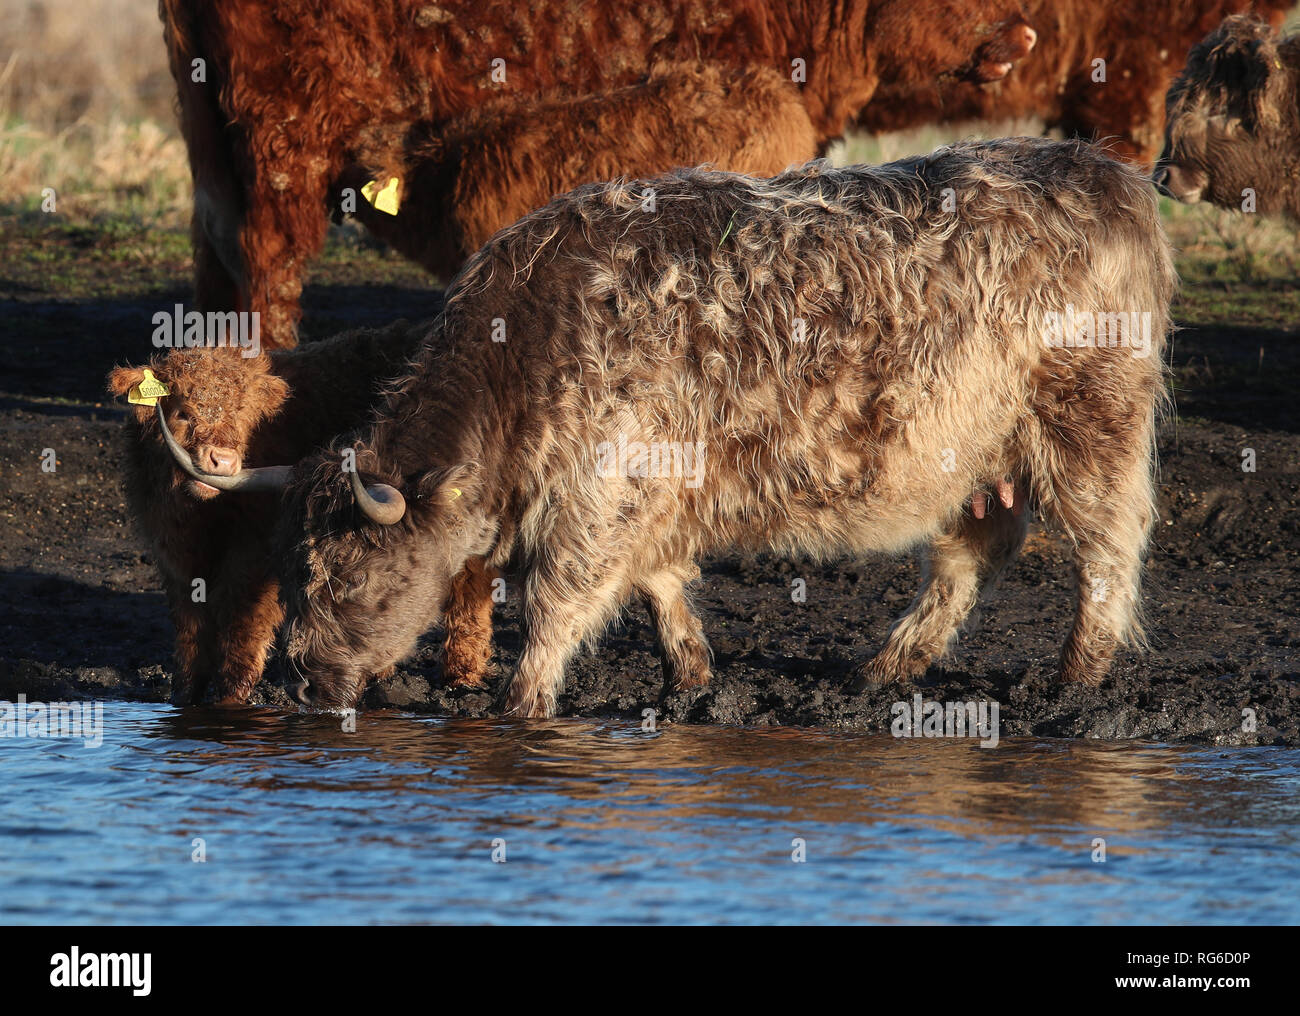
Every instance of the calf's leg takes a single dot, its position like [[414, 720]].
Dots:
[[193, 645], [963, 560], [468, 621], [248, 622]]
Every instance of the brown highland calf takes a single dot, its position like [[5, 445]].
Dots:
[[826, 362], [278, 100], [228, 412], [1143, 43], [485, 170], [1232, 136]]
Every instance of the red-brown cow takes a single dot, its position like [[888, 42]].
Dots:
[[1120, 102], [278, 100], [481, 172]]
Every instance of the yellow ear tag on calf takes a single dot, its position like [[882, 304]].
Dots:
[[148, 391], [455, 493], [384, 198]]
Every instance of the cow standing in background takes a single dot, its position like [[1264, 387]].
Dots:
[[1233, 130], [824, 362], [278, 100], [1100, 71]]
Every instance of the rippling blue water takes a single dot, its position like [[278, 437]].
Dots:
[[304, 823]]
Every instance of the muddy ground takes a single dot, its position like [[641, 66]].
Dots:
[[81, 612]]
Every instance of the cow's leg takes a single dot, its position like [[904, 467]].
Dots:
[[566, 600], [215, 287], [284, 227], [468, 621], [193, 645], [1109, 527], [248, 622], [963, 560], [682, 646]]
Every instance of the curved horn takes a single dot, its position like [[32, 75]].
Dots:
[[380, 502], [258, 478]]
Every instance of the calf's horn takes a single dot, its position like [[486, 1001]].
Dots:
[[380, 502], [257, 478]]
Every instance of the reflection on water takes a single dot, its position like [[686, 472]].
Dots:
[[302, 822]]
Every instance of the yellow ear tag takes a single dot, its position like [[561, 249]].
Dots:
[[455, 493], [148, 391], [384, 198]]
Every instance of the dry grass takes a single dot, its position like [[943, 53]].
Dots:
[[85, 108], [72, 60]]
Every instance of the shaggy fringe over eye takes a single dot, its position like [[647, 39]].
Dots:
[[1230, 72]]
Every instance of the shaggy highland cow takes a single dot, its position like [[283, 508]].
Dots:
[[277, 101], [826, 362], [1119, 103], [1232, 135], [226, 412]]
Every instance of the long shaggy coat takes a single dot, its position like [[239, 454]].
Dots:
[[843, 353]]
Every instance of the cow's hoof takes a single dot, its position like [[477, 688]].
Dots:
[[468, 677], [884, 669], [528, 707], [689, 681]]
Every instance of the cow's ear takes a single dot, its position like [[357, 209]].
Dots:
[[272, 390], [457, 484], [1259, 78], [1277, 93], [122, 379]]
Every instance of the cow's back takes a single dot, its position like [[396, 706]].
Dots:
[[851, 349]]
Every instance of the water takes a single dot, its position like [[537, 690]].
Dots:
[[304, 823]]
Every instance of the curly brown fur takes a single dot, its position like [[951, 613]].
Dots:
[[476, 175], [296, 91], [854, 349], [1143, 44], [1233, 129], [230, 412]]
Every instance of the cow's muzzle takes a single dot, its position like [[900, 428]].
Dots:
[[246, 479], [1179, 182]]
